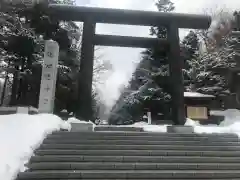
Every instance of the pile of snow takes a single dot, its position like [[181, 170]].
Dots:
[[150, 128], [231, 123], [74, 120], [77, 121], [20, 135], [81, 125], [196, 94]]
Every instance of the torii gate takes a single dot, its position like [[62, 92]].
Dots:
[[90, 16]]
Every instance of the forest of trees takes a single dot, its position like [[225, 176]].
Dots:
[[23, 31], [207, 55]]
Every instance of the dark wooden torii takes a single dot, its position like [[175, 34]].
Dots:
[[90, 16]]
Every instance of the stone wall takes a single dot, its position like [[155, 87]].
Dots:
[[15, 110]]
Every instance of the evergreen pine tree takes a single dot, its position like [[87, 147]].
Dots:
[[148, 86]]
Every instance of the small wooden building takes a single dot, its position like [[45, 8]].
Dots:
[[197, 105]]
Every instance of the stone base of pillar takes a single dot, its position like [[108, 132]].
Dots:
[[79, 127], [180, 129], [118, 128]]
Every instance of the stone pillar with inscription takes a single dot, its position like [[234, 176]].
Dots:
[[49, 77]]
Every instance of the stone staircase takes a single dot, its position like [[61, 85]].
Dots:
[[135, 155]]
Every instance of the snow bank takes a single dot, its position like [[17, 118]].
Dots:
[[231, 123], [20, 135], [232, 116], [196, 94], [150, 128], [77, 121], [208, 129]]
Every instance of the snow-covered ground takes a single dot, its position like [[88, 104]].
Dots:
[[20, 135]]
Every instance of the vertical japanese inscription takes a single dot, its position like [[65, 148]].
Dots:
[[48, 81]]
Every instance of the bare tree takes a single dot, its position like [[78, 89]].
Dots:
[[219, 31]]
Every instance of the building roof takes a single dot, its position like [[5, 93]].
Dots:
[[196, 94]]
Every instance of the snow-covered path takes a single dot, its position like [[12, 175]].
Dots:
[[20, 135]]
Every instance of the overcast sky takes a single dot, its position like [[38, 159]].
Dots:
[[124, 59]]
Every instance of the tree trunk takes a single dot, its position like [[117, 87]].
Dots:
[[4, 89]]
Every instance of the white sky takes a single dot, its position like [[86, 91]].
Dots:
[[124, 59]]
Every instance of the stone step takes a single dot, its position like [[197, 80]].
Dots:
[[151, 179], [152, 159], [135, 155], [132, 166], [139, 142], [138, 153], [63, 133], [140, 147], [118, 128], [143, 138], [130, 174]]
